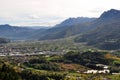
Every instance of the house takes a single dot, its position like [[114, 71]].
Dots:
[[97, 71], [104, 71], [91, 71]]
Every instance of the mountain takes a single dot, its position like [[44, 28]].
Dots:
[[16, 33], [38, 27], [73, 26], [107, 35], [110, 16], [73, 21], [69, 27]]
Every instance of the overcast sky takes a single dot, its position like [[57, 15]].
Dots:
[[51, 12]]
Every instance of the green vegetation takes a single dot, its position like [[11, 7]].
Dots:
[[8, 73], [61, 45], [60, 67], [38, 75], [88, 58]]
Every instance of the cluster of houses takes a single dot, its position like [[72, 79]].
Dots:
[[97, 71], [23, 51], [104, 71]]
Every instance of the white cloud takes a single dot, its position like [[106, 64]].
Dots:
[[48, 11]]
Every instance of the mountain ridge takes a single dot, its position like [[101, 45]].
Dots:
[[64, 29]]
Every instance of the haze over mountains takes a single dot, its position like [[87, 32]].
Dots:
[[67, 28], [16, 33], [101, 32]]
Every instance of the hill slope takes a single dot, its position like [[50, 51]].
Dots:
[[107, 35]]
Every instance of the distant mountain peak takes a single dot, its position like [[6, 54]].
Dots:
[[5, 25], [114, 10], [112, 13]]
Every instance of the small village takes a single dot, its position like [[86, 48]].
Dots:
[[24, 51]]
